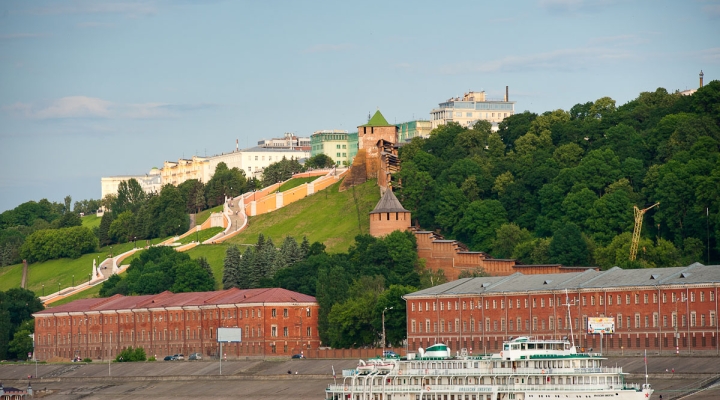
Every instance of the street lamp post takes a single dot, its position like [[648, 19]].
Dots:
[[383, 328], [677, 322]]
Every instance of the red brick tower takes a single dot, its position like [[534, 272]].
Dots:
[[369, 135], [388, 216]]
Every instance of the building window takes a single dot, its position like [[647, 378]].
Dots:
[[542, 303], [664, 298], [692, 297], [619, 300], [665, 321], [712, 315], [602, 299], [645, 298], [273, 331], [702, 296], [285, 331], [702, 319], [655, 320], [619, 321], [285, 312], [654, 298], [494, 304], [692, 319], [647, 321], [412, 325], [712, 296], [627, 299], [273, 312], [534, 303], [427, 325], [637, 299], [551, 324], [610, 300]]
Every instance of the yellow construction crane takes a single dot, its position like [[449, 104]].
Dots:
[[639, 214]]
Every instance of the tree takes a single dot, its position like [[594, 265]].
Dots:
[[231, 265], [103, 232], [568, 247], [21, 345], [506, 238], [479, 223], [280, 171], [319, 161]]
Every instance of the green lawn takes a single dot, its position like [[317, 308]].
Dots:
[[91, 221], [328, 216], [215, 254], [202, 216], [292, 183], [61, 271], [202, 235], [85, 294]]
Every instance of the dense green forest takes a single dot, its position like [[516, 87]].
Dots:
[[560, 187]]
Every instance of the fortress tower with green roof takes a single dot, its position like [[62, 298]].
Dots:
[[369, 135]]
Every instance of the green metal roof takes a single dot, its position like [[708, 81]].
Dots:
[[377, 120]]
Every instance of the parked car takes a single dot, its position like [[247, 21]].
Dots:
[[169, 358], [195, 356], [178, 356], [390, 353], [298, 356]]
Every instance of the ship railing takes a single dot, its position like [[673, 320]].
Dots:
[[510, 371], [478, 388]]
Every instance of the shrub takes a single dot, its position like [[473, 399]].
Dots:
[[130, 355], [49, 244], [86, 360]]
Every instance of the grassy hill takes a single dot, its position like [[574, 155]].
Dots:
[[331, 217], [61, 271]]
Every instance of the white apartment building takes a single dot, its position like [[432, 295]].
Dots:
[[289, 141], [150, 182], [256, 159], [472, 107]]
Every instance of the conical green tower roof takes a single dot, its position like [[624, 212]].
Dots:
[[377, 120]]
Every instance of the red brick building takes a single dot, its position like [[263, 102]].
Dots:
[[274, 322], [656, 309]]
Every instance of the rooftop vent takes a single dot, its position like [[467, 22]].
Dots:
[[684, 274], [547, 282], [654, 276], [486, 284]]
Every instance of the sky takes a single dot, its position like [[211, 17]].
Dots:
[[101, 88]]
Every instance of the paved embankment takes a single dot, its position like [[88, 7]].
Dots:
[[258, 379]]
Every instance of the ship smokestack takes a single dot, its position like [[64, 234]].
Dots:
[[507, 97]]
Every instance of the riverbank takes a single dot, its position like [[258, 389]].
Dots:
[[258, 379]]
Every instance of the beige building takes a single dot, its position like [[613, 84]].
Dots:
[[200, 168], [472, 107], [150, 182]]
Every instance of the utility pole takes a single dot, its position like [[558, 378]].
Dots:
[[383, 329]]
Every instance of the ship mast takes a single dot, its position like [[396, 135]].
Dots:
[[568, 303]]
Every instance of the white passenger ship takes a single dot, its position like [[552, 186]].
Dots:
[[525, 369]]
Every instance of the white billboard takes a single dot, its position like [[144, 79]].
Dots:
[[229, 335], [604, 325]]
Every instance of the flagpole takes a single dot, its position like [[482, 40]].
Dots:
[[646, 374]]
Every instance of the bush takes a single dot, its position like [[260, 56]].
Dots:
[[49, 244], [87, 360], [131, 355], [152, 358]]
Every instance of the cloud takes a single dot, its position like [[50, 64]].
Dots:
[[23, 35], [712, 10], [84, 107], [618, 40], [563, 59], [711, 55], [327, 48], [574, 6], [127, 8], [94, 25]]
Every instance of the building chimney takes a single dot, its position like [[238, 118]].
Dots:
[[507, 97], [701, 78]]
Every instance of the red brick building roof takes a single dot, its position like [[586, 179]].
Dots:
[[168, 299]]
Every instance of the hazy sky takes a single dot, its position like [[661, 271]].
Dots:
[[91, 88]]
